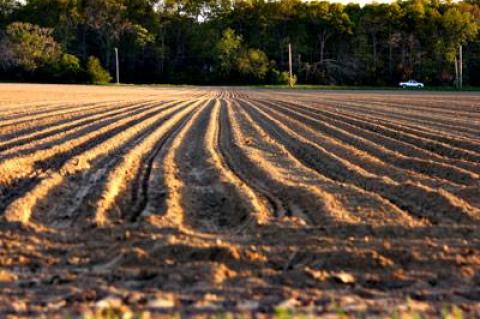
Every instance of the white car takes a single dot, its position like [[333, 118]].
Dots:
[[411, 84]]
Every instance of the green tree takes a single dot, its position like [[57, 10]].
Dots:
[[30, 46], [218, 41], [97, 74], [327, 19], [253, 64], [32, 49], [458, 28], [228, 48], [63, 16], [107, 18]]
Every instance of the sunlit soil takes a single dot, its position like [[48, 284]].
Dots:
[[198, 200]]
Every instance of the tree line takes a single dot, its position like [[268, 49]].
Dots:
[[238, 41]]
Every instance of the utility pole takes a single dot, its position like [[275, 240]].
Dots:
[[290, 72], [118, 68], [460, 67]]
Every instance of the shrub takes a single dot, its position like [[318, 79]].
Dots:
[[292, 81], [66, 69], [70, 63], [283, 78], [97, 74], [279, 77]]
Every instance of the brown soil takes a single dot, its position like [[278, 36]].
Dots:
[[205, 200]]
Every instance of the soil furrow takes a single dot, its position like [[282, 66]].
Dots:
[[408, 110], [34, 112], [399, 165], [237, 200], [82, 159], [210, 200], [428, 144], [201, 192], [448, 139], [216, 136], [441, 148], [422, 202], [466, 102], [36, 119], [132, 173], [17, 131], [54, 156], [43, 139], [303, 191], [109, 193], [423, 132], [226, 146], [443, 125], [376, 136], [410, 105]]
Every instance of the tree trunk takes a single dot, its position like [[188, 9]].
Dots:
[[84, 43], [456, 72], [282, 55], [390, 56], [460, 66], [322, 46], [108, 48], [374, 45], [162, 63]]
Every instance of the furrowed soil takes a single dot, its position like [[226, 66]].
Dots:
[[198, 201]]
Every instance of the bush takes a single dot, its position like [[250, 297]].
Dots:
[[97, 74], [69, 63], [279, 77], [292, 81], [283, 78], [67, 69]]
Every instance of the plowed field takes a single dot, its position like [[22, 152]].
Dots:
[[198, 200]]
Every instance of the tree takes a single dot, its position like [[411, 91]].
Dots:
[[373, 24], [62, 16], [97, 74], [253, 64], [107, 19], [228, 48], [458, 28], [224, 41], [30, 46], [327, 19], [31, 49]]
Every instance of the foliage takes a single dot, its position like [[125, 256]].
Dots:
[[97, 74], [30, 46], [215, 42], [67, 68], [253, 63], [7, 8], [228, 47], [292, 81], [34, 52], [280, 77]]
